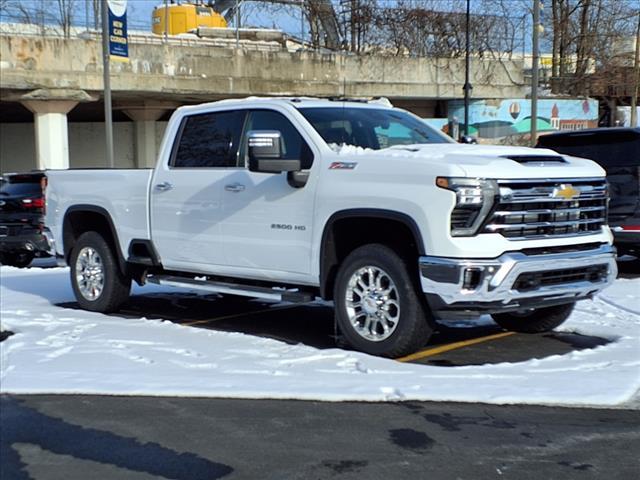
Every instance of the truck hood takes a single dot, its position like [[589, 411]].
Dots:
[[488, 161]]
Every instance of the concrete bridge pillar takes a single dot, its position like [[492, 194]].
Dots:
[[145, 118], [52, 138]]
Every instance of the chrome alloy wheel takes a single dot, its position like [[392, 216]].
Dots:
[[372, 303], [89, 273]]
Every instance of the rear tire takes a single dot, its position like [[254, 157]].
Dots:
[[537, 320], [377, 306], [97, 281]]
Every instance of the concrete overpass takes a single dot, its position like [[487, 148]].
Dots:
[[53, 85]]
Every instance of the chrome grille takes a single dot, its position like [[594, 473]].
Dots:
[[527, 209]]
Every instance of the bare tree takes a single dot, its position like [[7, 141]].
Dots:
[[95, 5], [66, 10], [41, 13], [433, 28], [34, 13], [584, 35], [562, 12], [636, 77]]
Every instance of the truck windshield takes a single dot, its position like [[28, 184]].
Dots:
[[370, 127]]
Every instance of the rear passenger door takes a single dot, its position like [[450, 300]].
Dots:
[[186, 191], [267, 223]]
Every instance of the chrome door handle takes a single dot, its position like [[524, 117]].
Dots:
[[234, 187], [164, 186]]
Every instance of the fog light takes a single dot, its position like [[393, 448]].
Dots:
[[472, 278]]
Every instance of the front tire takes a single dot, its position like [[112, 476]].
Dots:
[[376, 304], [536, 320], [97, 281]]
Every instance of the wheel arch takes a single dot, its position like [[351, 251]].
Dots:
[[348, 229], [79, 219]]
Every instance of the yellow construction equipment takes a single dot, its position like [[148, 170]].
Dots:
[[185, 17]]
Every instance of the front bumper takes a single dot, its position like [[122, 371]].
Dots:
[[514, 281]]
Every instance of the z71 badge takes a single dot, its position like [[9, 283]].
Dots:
[[343, 165]]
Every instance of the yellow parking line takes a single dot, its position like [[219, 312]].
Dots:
[[238, 315], [451, 346]]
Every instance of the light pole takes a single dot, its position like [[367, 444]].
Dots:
[[534, 73], [166, 21], [302, 24], [467, 85], [107, 82], [237, 24], [636, 80]]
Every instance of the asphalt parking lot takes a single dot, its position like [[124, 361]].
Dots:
[[77, 437], [453, 344]]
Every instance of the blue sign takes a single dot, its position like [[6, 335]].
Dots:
[[118, 42]]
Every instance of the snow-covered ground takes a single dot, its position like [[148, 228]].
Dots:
[[57, 350]]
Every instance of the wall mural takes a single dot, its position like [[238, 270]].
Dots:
[[509, 121]]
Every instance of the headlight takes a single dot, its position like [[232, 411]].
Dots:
[[474, 199]]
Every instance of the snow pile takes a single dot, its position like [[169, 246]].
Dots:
[[344, 149], [438, 150], [394, 151], [57, 350]]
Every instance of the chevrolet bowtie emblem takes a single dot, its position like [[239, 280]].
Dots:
[[565, 191]]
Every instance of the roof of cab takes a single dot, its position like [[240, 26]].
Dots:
[[296, 102]]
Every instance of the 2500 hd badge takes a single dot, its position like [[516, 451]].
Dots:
[[288, 226]]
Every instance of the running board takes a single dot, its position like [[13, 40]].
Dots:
[[282, 295]]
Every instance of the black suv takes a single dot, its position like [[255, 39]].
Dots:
[[617, 150], [23, 235]]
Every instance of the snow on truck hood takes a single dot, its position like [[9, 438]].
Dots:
[[489, 161]]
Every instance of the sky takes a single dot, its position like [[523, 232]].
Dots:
[[254, 14], [139, 14], [257, 14]]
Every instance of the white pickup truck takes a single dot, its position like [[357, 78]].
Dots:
[[356, 202]]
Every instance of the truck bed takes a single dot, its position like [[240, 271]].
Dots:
[[121, 192]]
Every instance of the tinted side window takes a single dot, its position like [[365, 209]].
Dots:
[[293, 145], [210, 140]]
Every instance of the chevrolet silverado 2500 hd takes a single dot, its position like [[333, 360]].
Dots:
[[355, 202]]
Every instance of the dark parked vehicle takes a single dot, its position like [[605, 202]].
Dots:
[[617, 150], [23, 235]]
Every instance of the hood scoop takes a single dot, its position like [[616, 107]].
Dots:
[[536, 158]]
